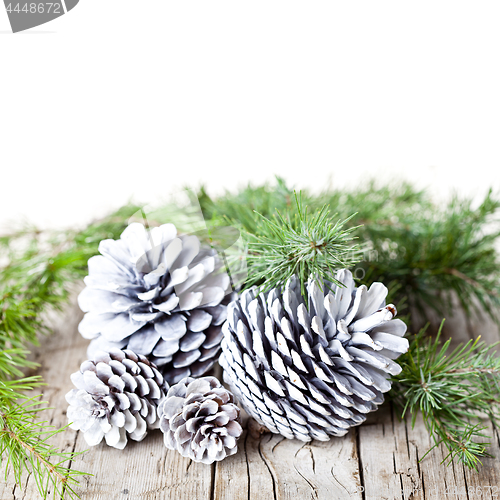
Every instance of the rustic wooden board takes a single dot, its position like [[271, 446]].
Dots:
[[377, 460]]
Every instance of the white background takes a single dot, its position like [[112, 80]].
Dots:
[[121, 99]]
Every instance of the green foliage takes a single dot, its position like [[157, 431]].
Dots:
[[376, 204], [239, 208], [302, 244], [453, 390], [431, 252]]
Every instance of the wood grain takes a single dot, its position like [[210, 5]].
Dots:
[[377, 460]]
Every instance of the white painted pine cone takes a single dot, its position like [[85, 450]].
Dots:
[[200, 420], [159, 294], [117, 397], [311, 374]]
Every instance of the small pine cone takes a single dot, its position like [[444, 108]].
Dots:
[[200, 420], [311, 374], [117, 395], [159, 294]]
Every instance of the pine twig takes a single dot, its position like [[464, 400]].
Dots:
[[451, 390], [25, 443], [300, 244]]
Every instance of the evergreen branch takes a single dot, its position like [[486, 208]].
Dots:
[[299, 244], [452, 390], [239, 208], [473, 283], [24, 440], [434, 251]]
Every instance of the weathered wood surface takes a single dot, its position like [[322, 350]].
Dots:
[[378, 460]]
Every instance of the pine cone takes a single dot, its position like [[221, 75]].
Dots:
[[311, 374], [117, 396], [157, 294], [200, 420]]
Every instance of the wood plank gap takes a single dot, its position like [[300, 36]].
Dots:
[[268, 468], [25, 489], [420, 475], [408, 443], [466, 485], [419, 471], [313, 487], [400, 476], [212, 489], [278, 443], [70, 463], [360, 465], [248, 464]]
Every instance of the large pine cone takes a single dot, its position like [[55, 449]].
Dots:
[[117, 396], [200, 420], [310, 374], [157, 294]]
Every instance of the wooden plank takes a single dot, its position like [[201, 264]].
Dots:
[[244, 475], [461, 327], [456, 325], [437, 479], [272, 467], [8, 487], [406, 458], [145, 470], [332, 467], [379, 457], [486, 485], [482, 324], [390, 451], [380, 441], [320, 470], [59, 355]]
